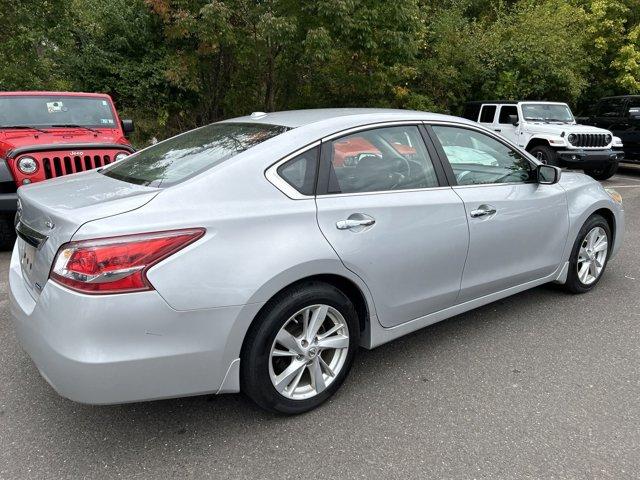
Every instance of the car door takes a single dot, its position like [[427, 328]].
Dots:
[[384, 207], [517, 227], [504, 126]]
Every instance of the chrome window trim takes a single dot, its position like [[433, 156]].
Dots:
[[372, 126], [383, 192], [280, 183]]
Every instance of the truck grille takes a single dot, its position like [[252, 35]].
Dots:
[[590, 140], [59, 166]]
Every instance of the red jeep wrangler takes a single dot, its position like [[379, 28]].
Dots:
[[50, 134]]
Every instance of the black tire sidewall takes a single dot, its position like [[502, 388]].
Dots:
[[605, 173], [549, 154], [254, 363], [573, 283]]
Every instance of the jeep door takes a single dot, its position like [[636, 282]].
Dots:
[[504, 126], [517, 228], [387, 211]]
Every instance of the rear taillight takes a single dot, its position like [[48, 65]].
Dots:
[[117, 264]]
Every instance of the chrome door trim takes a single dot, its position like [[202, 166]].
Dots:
[[280, 183], [382, 192]]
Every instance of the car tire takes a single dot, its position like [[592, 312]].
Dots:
[[577, 283], [545, 154], [7, 232], [263, 361], [604, 173]]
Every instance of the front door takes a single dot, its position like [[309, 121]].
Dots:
[[505, 126], [385, 210], [517, 228]]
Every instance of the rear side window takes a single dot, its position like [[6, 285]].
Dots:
[[300, 171], [611, 107], [488, 113], [505, 111], [184, 156], [381, 159]]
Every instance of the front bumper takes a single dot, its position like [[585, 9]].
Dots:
[[8, 202], [125, 348], [589, 159]]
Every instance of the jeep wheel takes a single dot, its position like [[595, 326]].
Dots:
[[545, 154], [603, 173], [7, 232]]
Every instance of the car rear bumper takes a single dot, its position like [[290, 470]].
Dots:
[[589, 159], [124, 348]]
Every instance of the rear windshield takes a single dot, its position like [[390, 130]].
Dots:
[[191, 153], [56, 110]]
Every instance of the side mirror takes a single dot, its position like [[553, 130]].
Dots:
[[513, 119], [548, 174], [634, 113], [127, 126]]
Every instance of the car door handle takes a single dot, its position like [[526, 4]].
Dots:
[[354, 223], [483, 211], [497, 129]]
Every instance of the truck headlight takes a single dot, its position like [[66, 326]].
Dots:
[[572, 138], [121, 156], [27, 165]]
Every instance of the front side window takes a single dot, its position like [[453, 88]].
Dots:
[[191, 153], [52, 111], [381, 159], [547, 112], [477, 158], [506, 112]]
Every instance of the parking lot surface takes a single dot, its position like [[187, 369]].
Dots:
[[539, 385]]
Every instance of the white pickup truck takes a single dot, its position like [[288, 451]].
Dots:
[[549, 132]]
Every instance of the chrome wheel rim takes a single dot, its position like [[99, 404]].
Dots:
[[592, 255], [309, 352]]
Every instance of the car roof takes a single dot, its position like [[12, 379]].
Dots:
[[346, 116], [52, 94]]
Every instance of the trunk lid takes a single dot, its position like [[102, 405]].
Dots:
[[49, 213]]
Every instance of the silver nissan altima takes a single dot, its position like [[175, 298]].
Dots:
[[259, 253]]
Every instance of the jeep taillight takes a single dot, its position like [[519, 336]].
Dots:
[[117, 264]]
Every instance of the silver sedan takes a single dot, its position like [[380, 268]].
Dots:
[[259, 253]]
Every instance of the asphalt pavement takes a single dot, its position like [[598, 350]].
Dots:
[[539, 385]]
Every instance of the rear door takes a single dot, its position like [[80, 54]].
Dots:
[[384, 206], [517, 228]]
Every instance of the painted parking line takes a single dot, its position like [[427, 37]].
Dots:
[[624, 177]]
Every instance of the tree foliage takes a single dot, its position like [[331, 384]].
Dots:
[[176, 64]]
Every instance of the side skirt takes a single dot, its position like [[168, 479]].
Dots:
[[380, 335]]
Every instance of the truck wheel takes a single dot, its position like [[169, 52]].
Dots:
[[545, 154], [603, 173], [7, 232]]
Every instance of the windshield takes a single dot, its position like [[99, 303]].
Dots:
[[49, 111], [191, 153], [546, 112]]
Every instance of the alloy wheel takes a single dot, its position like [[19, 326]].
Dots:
[[592, 255], [309, 352]]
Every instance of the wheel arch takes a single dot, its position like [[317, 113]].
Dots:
[[610, 218], [346, 285], [536, 142]]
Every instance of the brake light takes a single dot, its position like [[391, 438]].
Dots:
[[117, 264]]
